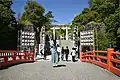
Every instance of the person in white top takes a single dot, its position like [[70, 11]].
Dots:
[[73, 53], [58, 51]]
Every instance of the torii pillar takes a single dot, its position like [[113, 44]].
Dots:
[[66, 33]]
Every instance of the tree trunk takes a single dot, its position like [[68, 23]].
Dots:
[[37, 35]]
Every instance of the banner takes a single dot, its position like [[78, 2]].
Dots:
[[41, 48]]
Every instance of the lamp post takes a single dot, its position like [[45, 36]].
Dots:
[[96, 38], [53, 32], [60, 35], [18, 39], [78, 41], [43, 34], [74, 36]]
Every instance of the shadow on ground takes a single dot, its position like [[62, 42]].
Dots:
[[6, 66], [62, 65], [70, 60], [67, 60], [42, 59]]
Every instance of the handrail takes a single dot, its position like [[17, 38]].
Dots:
[[110, 60], [8, 51], [10, 57], [101, 51]]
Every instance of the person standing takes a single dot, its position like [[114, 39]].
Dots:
[[73, 53], [66, 53], [54, 54], [58, 51], [62, 53], [45, 53]]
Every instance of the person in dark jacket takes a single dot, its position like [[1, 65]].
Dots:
[[62, 53], [73, 53], [66, 53]]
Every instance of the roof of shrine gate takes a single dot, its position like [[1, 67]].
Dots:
[[62, 26]]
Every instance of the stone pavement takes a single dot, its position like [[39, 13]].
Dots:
[[40, 58], [43, 70]]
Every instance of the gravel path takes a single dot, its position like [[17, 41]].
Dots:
[[43, 70]]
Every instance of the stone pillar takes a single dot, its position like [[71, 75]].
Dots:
[[74, 37], [66, 33], [43, 39], [43, 34]]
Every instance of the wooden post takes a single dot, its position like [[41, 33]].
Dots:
[[14, 56], [81, 53], [25, 55], [94, 55], [6, 59], [109, 56]]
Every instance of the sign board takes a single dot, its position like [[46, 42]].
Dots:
[[27, 39], [41, 48], [86, 38]]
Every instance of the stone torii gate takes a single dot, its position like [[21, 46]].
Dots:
[[61, 26]]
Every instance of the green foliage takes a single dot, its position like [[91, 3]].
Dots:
[[7, 18], [60, 32], [35, 14], [113, 26], [8, 29], [106, 12], [104, 7], [102, 40], [49, 19], [85, 17]]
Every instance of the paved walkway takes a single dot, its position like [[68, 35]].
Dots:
[[43, 70], [40, 58]]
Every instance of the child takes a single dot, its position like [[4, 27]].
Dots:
[[73, 53]]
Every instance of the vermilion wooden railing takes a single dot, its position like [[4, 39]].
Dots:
[[10, 57], [109, 59]]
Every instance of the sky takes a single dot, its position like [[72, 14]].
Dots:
[[63, 10]]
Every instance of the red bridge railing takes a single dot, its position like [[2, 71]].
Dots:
[[109, 59], [9, 57]]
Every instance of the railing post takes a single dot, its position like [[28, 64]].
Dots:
[[94, 55], [109, 56], [20, 57], [14, 56], [6, 59], [25, 54], [81, 55], [34, 56]]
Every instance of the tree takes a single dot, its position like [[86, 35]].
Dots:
[[104, 7], [8, 28], [113, 26], [106, 12], [109, 11], [60, 32], [85, 17], [35, 14], [101, 41]]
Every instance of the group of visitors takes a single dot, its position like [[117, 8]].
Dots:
[[65, 52], [58, 53]]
